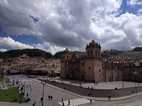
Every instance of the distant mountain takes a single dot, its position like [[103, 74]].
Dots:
[[135, 53], [137, 49], [28, 52], [113, 52], [59, 55]]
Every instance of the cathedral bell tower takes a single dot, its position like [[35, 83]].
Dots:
[[93, 50], [93, 62]]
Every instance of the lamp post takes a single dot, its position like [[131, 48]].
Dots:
[[135, 75], [42, 98]]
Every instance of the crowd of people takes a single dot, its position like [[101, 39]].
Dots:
[[24, 89]]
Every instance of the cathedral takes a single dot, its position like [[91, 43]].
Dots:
[[85, 66], [94, 66]]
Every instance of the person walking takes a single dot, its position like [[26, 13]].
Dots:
[[109, 98], [48, 97], [51, 97], [69, 102], [63, 104], [90, 101], [62, 100], [34, 103]]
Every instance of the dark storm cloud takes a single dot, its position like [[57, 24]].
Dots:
[[71, 28], [56, 34], [14, 22]]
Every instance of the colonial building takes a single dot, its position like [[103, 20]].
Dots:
[[31, 65], [84, 65], [53, 66], [126, 66], [91, 66], [113, 70]]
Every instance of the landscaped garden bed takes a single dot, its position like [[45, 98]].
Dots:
[[9, 92], [11, 95]]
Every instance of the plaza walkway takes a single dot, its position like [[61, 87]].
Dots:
[[75, 99]]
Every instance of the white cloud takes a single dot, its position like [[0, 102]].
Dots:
[[135, 2], [72, 23], [12, 44], [48, 47], [3, 50], [125, 29]]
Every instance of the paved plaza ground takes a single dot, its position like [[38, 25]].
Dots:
[[101, 85], [58, 94]]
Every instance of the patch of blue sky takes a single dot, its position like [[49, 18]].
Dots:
[[127, 7], [27, 39]]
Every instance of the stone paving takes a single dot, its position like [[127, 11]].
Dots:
[[75, 100], [36, 93], [101, 85]]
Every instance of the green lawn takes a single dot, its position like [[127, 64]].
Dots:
[[1, 78], [11, 95]]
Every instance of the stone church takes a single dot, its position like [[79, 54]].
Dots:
[[86, 66]]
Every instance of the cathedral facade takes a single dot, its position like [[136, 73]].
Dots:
[[85, 66]]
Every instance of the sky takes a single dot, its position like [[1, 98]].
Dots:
[[54, 25]]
